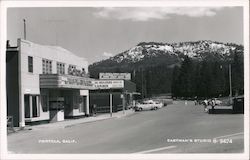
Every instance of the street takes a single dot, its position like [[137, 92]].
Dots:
[[176, 128]]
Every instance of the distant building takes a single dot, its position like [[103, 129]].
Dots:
[[45, 83], [122, 91]]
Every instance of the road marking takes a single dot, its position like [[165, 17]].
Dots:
[[230, 135], [156, 149]]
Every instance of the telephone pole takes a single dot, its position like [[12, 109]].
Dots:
[[230, 84], [142, 89]]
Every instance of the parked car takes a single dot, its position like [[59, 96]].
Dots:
[[148, 105], [218, 102], [158, 104]]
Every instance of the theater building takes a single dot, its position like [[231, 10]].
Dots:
[[45, 83]]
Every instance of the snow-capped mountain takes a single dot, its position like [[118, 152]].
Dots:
[[152, 53]]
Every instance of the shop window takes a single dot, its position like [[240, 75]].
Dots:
[[34, 106], [31, 102], [45, 103], [30, 64], [47, 66], [76, 102], [60, 68], [27, 106]]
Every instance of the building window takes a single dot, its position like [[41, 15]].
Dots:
[[60, 68], [47, 66], [30, 64]]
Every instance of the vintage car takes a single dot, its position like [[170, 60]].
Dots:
[[148, 105]]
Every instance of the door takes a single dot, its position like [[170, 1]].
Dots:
[[82, 104]]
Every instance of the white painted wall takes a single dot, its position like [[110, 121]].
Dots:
[[54, 53], [30, 81]]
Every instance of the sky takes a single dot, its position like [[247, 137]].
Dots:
[[98, 33]]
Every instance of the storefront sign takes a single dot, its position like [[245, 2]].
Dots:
[[75, 81], [65, 81], [108, 84], [125, 76]]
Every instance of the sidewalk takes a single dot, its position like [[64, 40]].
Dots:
[[72, 122]]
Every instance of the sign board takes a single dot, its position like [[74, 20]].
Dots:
[[125, 76], [65, 81], [74, 82], [84, 92], [108, 84]]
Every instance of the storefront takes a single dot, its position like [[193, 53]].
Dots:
[[112, 90], [65, 95]]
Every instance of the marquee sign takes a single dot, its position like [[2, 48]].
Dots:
[[74, 82], [65, 81], [125, 76], [108, 84]]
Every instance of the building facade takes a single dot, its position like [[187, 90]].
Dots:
[[45, 83], [121, 90]]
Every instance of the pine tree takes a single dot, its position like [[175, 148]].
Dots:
[[238, 74], [175, 86], [185, 78]]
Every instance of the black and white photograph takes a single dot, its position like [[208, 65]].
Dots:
[[128, 80]]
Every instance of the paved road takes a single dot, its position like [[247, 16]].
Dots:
[[173, 129]]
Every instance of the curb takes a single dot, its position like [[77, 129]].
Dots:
[[71, 125], [126, 114], [107, 118]]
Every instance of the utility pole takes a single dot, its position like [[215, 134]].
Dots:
[[24, 29], [124, 101], [142, 90], [111, 104], [230, 84]]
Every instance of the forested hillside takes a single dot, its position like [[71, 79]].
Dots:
[[185, 69]]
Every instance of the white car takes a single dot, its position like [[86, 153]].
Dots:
[[218, 102], [148, 105], [158, 104]]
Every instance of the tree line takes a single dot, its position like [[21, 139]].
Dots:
[[206, 79], [188, 78]]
